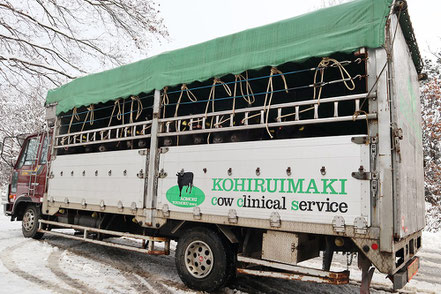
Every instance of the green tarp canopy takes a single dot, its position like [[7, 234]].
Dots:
[[343, 28]]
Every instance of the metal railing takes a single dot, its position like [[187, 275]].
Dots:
[[259, 111], [138, 130], [221, 121]]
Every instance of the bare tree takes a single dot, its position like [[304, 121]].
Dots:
[[56, 40], [45, 43], [431, 113]]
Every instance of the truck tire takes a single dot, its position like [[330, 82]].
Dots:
[[204, 260], [29, 224]]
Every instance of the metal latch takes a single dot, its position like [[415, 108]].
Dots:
[[361, 174], [374, 192], [397, 137], [360, 140], [162, 174]]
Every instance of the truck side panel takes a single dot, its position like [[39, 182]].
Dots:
[[111, 177], [302, 180]]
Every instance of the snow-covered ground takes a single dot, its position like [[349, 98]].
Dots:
[[58, 265]]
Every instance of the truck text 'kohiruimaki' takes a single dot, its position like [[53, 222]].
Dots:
[[254, 151]]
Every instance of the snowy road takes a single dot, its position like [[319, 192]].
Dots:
[[58, 265]]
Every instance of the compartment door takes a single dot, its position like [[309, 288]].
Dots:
[[407, 147]]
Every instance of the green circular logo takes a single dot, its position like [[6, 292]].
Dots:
[[193, 197]]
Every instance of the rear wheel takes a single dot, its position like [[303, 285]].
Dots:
[[29, 223], [204, 259]]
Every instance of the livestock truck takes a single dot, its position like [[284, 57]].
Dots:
[[254, 151]]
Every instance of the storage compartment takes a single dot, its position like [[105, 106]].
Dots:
[[289, 247]]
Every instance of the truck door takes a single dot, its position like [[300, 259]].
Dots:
[[30, 169], [406, 143]]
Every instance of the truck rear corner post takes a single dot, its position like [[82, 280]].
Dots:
[[254, 162]]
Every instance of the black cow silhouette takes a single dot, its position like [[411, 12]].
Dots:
[[185, 179]]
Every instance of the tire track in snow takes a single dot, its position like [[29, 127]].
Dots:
[[127, 269], [6, 256], [135, 283], [53, 263]]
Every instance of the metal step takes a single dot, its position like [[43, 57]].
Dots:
[[147, 241], [293, 272]]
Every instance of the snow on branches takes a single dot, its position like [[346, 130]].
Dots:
[[431, 114]]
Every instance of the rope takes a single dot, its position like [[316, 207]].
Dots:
[[92, 116], [165, 100], [249, 97], [77, 117], [211, 97], [269, 98], [74, 115], [118, 116], [354, 117], [139, 109], [324, 63], [190, 96], [328, 62]]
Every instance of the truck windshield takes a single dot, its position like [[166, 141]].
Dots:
[[29, 155]]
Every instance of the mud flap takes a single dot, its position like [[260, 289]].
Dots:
[[404, 275]]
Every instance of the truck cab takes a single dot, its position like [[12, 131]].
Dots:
[[28, 179]]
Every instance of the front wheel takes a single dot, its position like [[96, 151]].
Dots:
[[204, 260], [29, 225]]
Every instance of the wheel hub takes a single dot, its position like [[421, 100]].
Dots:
[[28, 220], [199, 259]]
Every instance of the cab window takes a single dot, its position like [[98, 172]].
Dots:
[[29, 156]]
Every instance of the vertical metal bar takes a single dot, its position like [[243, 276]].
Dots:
[[336, 109], [297, 112], [245, 122], [151, 193], [217, 121], [279, 114], [316, 106], [385, 203], [231, 120], [167, 127], [357, 105], [179, 126], [167, 247], [203, 123], [262, 116], [191, 124]]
